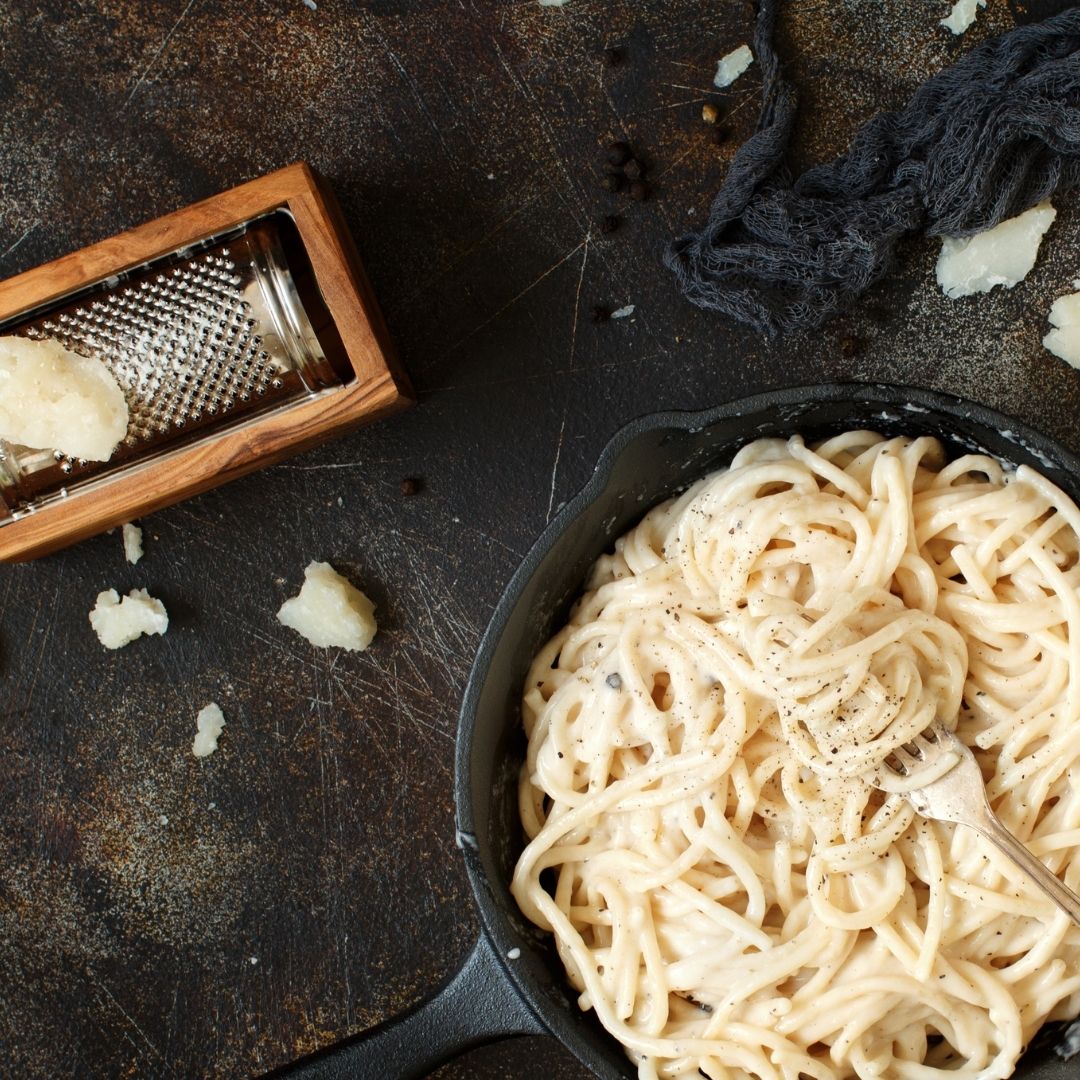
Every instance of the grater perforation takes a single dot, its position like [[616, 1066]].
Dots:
[[179, 323]]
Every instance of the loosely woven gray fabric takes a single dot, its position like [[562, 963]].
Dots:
[[982, 141]]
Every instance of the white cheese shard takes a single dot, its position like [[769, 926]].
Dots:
[[119, 622], [330, 611], [133, 549], [54, 399], [732, 66], [1064, 339], [962, 15], [208, 727], [623, 312], [1003, 255]]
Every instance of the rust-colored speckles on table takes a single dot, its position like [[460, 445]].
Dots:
[[167, 917]]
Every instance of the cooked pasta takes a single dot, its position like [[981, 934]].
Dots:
[[734, 881]]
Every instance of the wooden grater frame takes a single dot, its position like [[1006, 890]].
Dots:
[[378, 387]]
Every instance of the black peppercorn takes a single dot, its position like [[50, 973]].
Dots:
[[600, 313], [613, 182], [612, 56], [609, 224], [634, 169], [721, 134], [410, 485], [618, 153], [639, 191], [850, 345]]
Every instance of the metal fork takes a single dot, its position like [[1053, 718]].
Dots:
[[959, 795]]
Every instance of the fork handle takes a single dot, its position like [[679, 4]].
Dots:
[[1048, 881]]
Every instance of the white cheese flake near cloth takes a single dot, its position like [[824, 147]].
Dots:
[[623, 312], [54, 399], [732, 66], [119, 622], [133, 549], [962, 15], [330, 611], [1064, 339], [1003, 255], [208, 727]]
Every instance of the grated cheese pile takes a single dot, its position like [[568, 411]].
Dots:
[[54, 399]]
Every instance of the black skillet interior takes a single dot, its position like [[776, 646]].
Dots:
[[648, 461]]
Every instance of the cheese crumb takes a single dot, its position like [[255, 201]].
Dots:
[[623, 312], [962, 15], [119, 622], [330, 611], [1064, 339], [732, 66], [208, 724], [1003, 255], [133, 549], [54, 399]]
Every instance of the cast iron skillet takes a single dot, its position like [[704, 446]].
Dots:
[[512, 983]]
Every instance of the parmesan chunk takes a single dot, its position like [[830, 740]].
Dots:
[[208, 727], [133, 549], [119, 622], [1003, 255], [330, 611], [732, 66], [54, 399], [1064, 339], [962, 15]]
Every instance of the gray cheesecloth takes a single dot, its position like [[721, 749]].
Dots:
[[981, 141]]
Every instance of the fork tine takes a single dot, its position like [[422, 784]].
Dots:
[[941, 733], [906, 758], [894, 764], [944, 739], [927, 746], [934, 738]]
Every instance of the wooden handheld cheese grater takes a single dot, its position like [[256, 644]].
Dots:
[[241, 329]]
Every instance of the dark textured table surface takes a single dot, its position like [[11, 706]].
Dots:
[[167, 917]]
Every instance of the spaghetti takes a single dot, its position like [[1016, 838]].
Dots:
[[735, 883]]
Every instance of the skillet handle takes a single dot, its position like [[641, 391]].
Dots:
[[478, 1005]]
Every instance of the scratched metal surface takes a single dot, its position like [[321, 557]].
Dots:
[[167, 917]]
